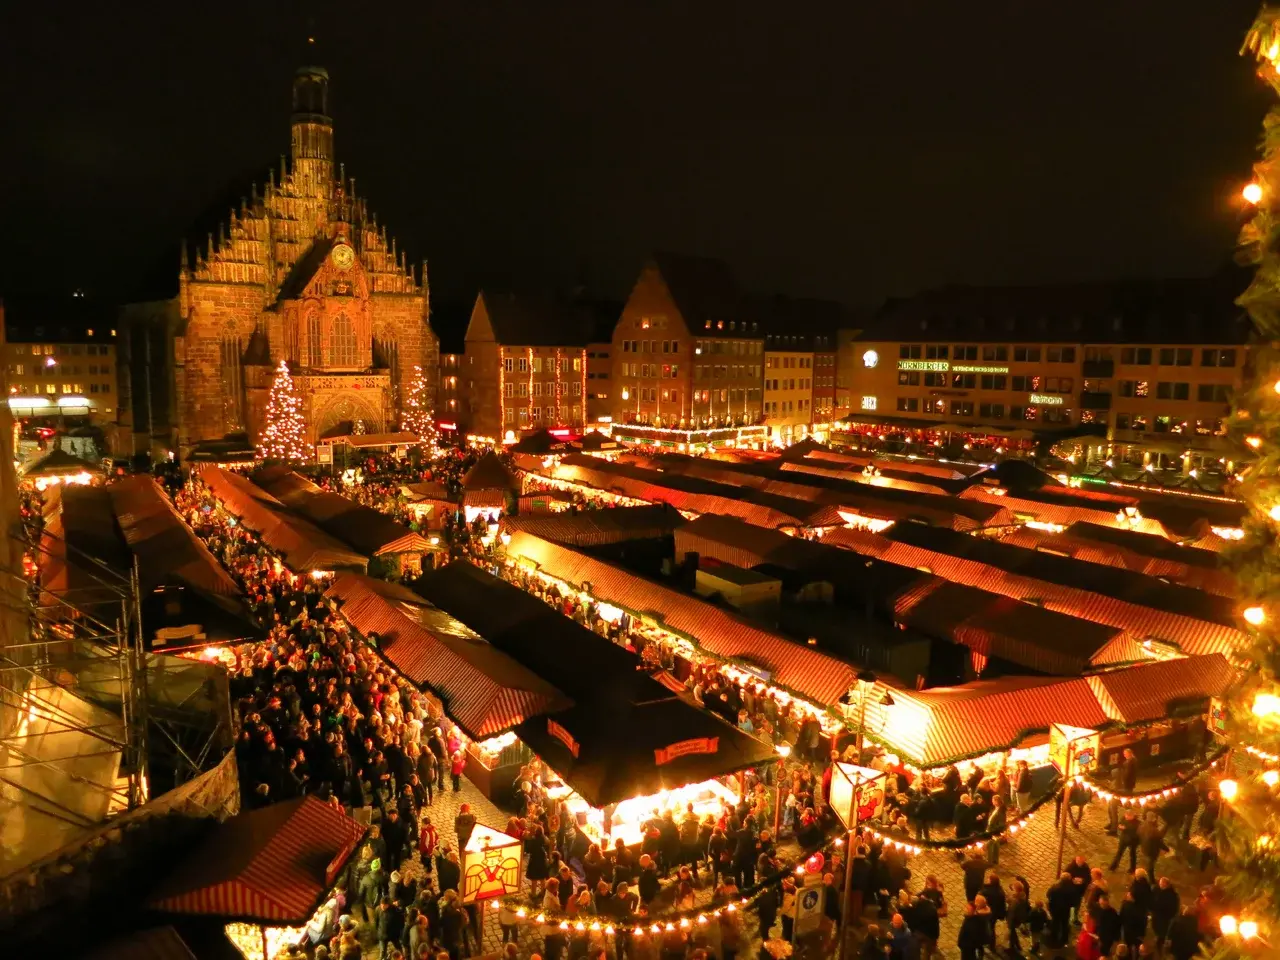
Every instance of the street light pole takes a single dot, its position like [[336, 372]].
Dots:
[[1066, 805], [846, 895], [784, 751]]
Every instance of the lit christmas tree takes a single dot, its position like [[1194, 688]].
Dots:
[[417, 417], [1248, 829], [284, 435]]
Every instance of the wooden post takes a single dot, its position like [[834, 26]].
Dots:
[[1066, 807]]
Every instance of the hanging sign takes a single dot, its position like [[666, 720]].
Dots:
[[324, 453], [686, 748], [1217, 719], [809, 905], [1081, 742], [564, 736]]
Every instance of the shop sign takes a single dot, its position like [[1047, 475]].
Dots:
[[976, 368], [1047, 399], [857, 793], [324, 453], [1080, 742], [809, 905], [934, 366], [869, 403], [565, 737], [686, 748], [491, 865], [1217, 720]]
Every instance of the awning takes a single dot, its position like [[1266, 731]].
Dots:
[[271, 866], [57, 463], [490, 473], [610, 756], [361, 440], [483, 690], [484, 499], [1153, 691], [593, 528]]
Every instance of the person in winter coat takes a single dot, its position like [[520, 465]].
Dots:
[[463, 825], [537, 871], [997, 901], [767, 910], [1019, 912], [390, 926], [975, 872], [1108, 924], [1184, 935], [973, 934], [1133, 922], [926, 926], [448, 871], [428, 839], [648, 883], [1151, 840], [419, 936], [1165, 904], [456, 766], [901, 943], [788, 908], [452, 920], [371, 890], [1062, 900], [1037, 923], [860, 881], [1022, 784]]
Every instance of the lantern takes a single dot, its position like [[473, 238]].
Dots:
[[857, 793], [491, 865]]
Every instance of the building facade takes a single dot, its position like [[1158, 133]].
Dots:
[[55, 371], [1147, 367], [788, 388], [599, 384], [304, 274], [688, 353], [525, 364]]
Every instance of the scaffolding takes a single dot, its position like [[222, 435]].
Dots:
[[73, 702]]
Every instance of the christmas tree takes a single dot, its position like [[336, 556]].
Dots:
[[417, 417], [1251, 815], [284, 433]]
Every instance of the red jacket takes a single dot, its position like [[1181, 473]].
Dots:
[[427, 838], [459, 763]]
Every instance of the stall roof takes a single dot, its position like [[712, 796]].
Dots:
[[272, 866], [592, 528], [620, 754], [364, 529], [695, 494], [303, 545], [587, 667], [816, 676], [484, 691], [80, 536], [872, 499], [1000, 626], [1144, 619], [361, 440], [425, 490], [1153, 691], [490, 473], [154, 943], [166, 548], [58, 462]]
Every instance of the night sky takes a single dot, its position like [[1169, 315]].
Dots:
[[852, 150]]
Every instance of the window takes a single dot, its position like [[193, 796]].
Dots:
[[1055, 415], [1213, 393], [991, 411], [909, 351], [997, 354], [106, 388], [1097, 353], [93, 388], [936, 352], [1175, 356], [1139, 356], [1122, 421], [908, 378], [1022, 413], [1139, 422], [1166, 390], [936, 379], [50, 388], [965, 353], [1217, 358], [1026, 354], [1023, 384], [522, 365], [1162, 424], [17, 369], [962, 408], [1062, 354], [508, 364], [577, 388], [964, 381], [343, 349], [908, 404]]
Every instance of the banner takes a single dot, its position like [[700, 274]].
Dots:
[[686, 748], [1080, 742], [564, 736]]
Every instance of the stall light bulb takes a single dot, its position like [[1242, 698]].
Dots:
[[1254, 616], [609, 931], [1256, 442], [1228, 925], [1277, 386], [1228, 789], [1248, 929], [1266, 705], [1252, 193], [494, 906], [1264, 840], [540, 918], [1271, 777], [1274, 513]]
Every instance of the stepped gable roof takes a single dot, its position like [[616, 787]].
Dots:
[[489, 473], [538, 320], [305, 268], [704, 290]]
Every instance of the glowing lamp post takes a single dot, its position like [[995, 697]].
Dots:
[[857, 794]]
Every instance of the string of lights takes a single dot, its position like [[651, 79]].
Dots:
[[967, 843]]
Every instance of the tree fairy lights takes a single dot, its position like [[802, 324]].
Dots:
[[284, 434], [417, 417]]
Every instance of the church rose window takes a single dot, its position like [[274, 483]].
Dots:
[[343, 351]]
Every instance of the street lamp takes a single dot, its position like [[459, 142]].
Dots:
[[784, 751], [866, 683]]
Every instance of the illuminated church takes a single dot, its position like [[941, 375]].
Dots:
[[302, 273]]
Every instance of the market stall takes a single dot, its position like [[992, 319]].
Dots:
[[615, 769], [266, 874]]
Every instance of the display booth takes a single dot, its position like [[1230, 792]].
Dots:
[[491, 865], [857, 793]]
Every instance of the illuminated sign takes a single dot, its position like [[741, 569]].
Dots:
[[1047, 399], [971, 368], [868, 403], [870, 358], [686, 748], [936, 366]]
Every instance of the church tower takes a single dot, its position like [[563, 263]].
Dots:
[[312, 151]]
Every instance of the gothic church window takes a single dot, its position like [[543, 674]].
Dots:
[[343, 349]]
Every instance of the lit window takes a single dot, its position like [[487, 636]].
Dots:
[[343, 351]]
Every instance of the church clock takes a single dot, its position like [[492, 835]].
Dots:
[[343, 256]]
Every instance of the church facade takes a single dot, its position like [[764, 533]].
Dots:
[[302, 273]]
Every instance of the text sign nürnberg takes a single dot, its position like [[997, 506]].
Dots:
[[937, 366]]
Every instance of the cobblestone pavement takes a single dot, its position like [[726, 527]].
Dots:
[[1031, 854]]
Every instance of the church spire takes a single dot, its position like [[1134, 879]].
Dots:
[[312, 139]]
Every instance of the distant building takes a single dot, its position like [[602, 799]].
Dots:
[[303, 273], [453, 413], [1148, 368], [800, 366], [60, 367], [525, 364]]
